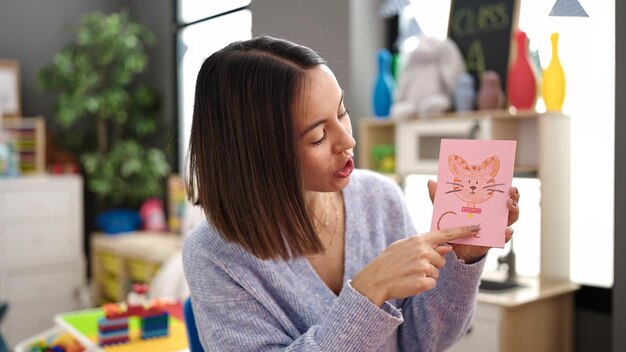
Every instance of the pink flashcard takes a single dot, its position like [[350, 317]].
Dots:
[[473, 184]]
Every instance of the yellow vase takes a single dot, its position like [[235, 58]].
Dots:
[[553, 88]]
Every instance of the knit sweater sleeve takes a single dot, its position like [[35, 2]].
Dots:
[[433, 320], [436, 319], [232, 314]]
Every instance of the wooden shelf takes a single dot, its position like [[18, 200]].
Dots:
[[120, 260], [372, 132], [494, 124]]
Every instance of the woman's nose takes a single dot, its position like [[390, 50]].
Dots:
[[345, 141]]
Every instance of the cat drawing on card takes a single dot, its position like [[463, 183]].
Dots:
[[473, 184]]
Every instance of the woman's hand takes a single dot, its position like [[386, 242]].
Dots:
[[409, 266], [471, 254]]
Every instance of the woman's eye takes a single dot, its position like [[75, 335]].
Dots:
[[346, 112], [321, 140]]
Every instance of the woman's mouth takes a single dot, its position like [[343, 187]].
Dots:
[[346, 170]]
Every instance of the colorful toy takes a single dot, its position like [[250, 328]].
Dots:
[[113, 328], [427, 81], [83, 325], [176, 202], [64, 342], [153, 215], [384, 156]]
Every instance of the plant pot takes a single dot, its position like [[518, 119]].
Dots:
[[119, 220]]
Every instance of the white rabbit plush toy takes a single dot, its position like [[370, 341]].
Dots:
[[426, 83]]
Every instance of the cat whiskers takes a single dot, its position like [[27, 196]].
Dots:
[[454, 190], [491, 189], [455, 184]]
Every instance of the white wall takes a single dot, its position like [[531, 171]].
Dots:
[[346, 33], [587, 53]]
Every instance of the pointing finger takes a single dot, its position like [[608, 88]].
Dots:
[[446, 235]]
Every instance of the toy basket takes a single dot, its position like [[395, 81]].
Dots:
[[47, 337]]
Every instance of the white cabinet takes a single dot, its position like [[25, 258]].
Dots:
[[484, 333], [536, 317], [42, 265]]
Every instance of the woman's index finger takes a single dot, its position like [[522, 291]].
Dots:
[[453, 233]]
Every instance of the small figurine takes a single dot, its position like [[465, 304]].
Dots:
[[153, 215], [490, 94]]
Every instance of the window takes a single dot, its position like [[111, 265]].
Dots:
[[197, 41]]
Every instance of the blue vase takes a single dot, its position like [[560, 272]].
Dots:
[[464, 94], [382, 94]]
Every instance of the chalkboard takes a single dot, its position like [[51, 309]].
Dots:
[[482, 29]]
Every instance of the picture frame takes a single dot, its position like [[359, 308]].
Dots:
[[10, 88]]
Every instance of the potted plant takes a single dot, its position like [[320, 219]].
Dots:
[[106, 115]]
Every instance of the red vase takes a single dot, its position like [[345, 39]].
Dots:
[[521, 83]]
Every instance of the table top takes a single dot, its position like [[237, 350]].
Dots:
[[83, 325], [531, 289]]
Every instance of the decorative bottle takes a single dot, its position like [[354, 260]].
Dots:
[[464, 93], [553, 88], [521, 83], [490, 94], [382, 94]]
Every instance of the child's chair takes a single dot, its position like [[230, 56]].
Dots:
[[3, 309], [192, 330]]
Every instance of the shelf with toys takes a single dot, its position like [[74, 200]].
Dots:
[[118, 261]]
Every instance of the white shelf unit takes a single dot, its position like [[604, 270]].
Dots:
[[42, 264]]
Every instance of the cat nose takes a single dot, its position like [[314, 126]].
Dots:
[[473, 188]]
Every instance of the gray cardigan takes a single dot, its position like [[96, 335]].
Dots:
[[242, 303]]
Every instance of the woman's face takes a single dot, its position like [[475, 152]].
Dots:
[[324, 133]]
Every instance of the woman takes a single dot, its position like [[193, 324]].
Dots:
[[300, 251]]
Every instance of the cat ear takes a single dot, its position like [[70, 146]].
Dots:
[[492, 165], [456, 164]]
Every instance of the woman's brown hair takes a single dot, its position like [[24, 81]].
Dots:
[[243, 162]]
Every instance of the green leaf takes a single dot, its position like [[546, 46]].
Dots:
[[92, 105]]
